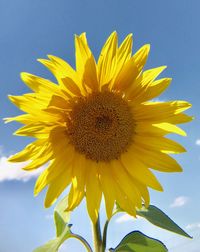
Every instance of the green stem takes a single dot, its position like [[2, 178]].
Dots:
[[83, 241], [97, 236], [105, 236]]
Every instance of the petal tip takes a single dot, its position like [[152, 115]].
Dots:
[[10, 159], [147, 47], [50, 56], [41, 60], [6, 120], [23, 75], [35, 192], [11, 98]]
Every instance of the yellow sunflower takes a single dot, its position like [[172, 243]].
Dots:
[[97, 129]]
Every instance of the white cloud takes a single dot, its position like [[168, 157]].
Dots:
[[13, 171], [179, 201], [123, 218], [126, 217], [49, 216], [158, 100], [193, 226], [197, 142]]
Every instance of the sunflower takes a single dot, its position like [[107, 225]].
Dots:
[[98, 128]]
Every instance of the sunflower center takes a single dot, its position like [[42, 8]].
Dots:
[[103, 122], [101, 126]]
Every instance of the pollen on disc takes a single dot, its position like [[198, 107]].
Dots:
[[101, 126]]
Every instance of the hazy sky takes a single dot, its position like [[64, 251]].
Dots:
[[32, 29]]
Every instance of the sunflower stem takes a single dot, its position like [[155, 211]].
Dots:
[[105, 236], [83, 241], [97, 236]]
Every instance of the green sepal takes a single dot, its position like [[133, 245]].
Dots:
[[61, 209], [61, 216], [139, 242], [59, 223], [158, 218], [63, 232], [48, 247]]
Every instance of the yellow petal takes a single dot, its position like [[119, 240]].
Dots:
[[150, 91], [60, 141], [180, 118], [157, 160], [106, 182], [150, 75], [93, 191], [45, 177], [159, 111], [71, 86], [77, 190], [61, 69], [125, 183], [124, 202], [123, 53], [60, 102], [39, 130], [157, 129], [162, 144], [29, 152], [41, 157], [131, 69], [56, 167], [144, 192], [51, 66], [57, 186], [37, 163], [143, 81], [155, 89], [139, 171], [38, 84], [85, 63], [31, 105], [107, 60], [24, 119], [25, 103]]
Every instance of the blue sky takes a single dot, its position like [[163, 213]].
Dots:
[[33, 29]]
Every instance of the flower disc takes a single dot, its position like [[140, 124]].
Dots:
[[101, 126]]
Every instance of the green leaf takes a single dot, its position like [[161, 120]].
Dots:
[[160, 219], [138, 242], [53, 245]]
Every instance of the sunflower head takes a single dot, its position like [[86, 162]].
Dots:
[[98, 128]]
